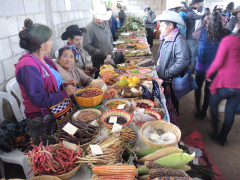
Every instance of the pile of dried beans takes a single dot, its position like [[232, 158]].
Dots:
[[85, 133], [50, 161]]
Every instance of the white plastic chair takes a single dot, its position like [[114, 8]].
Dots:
[[16, 156], [12, 86]]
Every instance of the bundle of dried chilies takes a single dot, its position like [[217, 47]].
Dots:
[[85, 133], [53, 161], [112, 148]]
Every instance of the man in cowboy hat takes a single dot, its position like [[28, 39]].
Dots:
[[233, 22], [98, 40], [122, 16], [74, 36], [193, 22]]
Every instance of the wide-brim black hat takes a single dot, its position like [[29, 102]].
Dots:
[[73, 29]]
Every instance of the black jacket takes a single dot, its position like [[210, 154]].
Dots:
[[191, 22], [122, 16], [232, 23], [167, 70]]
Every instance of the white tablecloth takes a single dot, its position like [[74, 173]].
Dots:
[[85, 174]]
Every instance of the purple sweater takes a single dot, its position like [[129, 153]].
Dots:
[[38, 85]]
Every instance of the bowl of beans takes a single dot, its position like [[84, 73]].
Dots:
[[144, 103], [109, 93], [123, 118], [117, 104], [89, 97], [152, 113], [87, 115]]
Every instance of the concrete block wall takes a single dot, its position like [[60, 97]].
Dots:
[[136, 7], [212, 3], [52, 13]]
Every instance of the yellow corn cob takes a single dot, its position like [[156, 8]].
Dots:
[[115, 177], [115, 170]]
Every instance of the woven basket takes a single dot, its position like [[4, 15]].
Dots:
[[117, 113], [97, 107], [88, 102], [130, 99], [107, 97], [66, 175], [132, 143], [87, 109], [125, 101], [141, 75], [145, 68], [147, 101], [113, 86], [124, 68], [44, 178], [166, 127], [148, 111]]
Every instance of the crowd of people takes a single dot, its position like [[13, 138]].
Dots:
[[208, 43]]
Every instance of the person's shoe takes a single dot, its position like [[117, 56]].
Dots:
[[203, 114]]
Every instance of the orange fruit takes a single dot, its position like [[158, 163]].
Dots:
[[149, 79]]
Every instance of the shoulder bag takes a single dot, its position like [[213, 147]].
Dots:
[[183, 85]]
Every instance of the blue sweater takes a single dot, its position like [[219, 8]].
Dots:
[[206, 51], [114, 25]]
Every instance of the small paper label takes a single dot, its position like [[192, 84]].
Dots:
[[116, 127], [96, 149], [134, 103], [148, 82], [104, 88], [195, 161], [109, 68], [70, 129], [70, 146], [113, 119], [154, 137], [121, 106], [122, 92], [141, 110], [134, 90], [95, 123]]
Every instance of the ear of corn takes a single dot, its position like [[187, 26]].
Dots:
[[172, 178], [115, 170], [159, 154], [153, 165], [145, 152], [154, 173], [176, 161], [185, 168], [144, 177], [115, 177]]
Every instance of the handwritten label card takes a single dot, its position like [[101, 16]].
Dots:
[[154, 137], [116, 127], [134, 103], [95, 123], [104, 88], [113, 119], [121, 106], [96, 149], [70, 129], [134, 90], [141, 110]]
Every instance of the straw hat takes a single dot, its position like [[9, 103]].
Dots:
[[236, 11], [102, 13], [170, 16], [219, 7]]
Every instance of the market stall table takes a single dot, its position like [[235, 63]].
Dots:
[[85, 174]]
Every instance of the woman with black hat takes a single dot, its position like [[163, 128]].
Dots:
[[173, 58], [74, 35]]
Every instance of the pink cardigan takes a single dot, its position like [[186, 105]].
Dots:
[[226, 64]]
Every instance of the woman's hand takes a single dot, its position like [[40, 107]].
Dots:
[[70, 90], [72, 82]]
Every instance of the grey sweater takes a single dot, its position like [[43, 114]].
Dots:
[[98, 41]]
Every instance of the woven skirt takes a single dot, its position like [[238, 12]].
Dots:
[[42, 130]]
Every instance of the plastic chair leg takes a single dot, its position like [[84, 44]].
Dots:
[[2, 168], [26, 169]]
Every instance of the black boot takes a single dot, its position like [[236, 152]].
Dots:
[[222, 137], [203, 114]]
